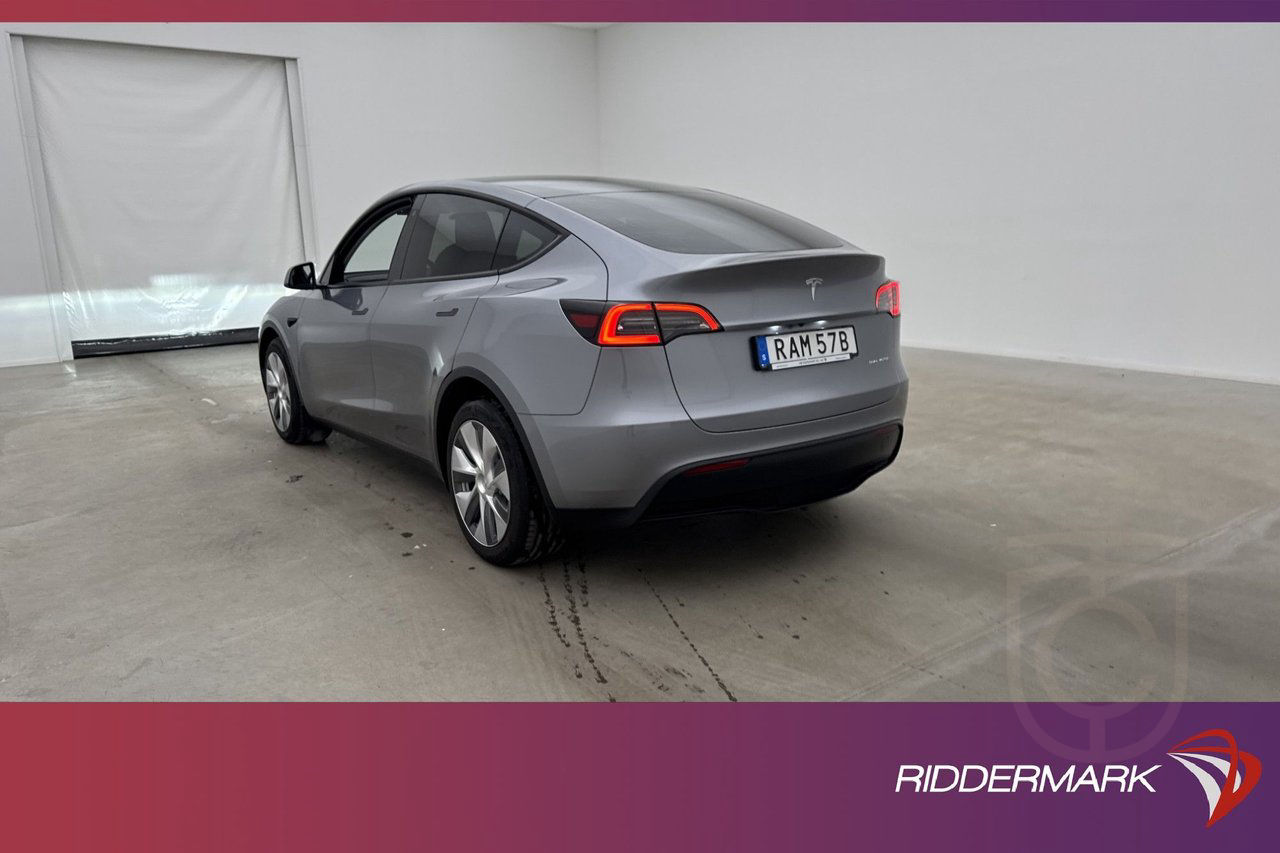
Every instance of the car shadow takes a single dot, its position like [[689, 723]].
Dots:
[[732, 544], [735, 544]]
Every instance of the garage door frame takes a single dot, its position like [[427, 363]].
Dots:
[[39, 186]]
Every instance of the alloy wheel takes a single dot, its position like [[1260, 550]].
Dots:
[[276, 379], [480, 484]]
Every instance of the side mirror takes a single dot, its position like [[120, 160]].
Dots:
[[301, 277]]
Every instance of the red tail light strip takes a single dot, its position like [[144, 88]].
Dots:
[[631, 324], [611, 336], [889, 299]]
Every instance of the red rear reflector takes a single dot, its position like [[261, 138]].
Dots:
[[727, 465], [889, 299]]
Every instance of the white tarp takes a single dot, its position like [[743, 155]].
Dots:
[[171, 184]]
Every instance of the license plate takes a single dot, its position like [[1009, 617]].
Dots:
[[801, 349]]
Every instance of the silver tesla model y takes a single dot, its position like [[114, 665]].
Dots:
[[580, 351]]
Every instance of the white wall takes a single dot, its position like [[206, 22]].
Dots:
[[1097, 193], [385, 105]]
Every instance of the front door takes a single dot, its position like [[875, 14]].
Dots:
[[334, 365]]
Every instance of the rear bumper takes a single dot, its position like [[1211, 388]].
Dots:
[[624, 445], [773, 480]]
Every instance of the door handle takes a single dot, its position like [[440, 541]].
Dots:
[[360, 312], [448, 313]]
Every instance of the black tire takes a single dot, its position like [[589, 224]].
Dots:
[[298, 426], [531, 531]]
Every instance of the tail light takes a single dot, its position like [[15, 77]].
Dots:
[[889, 299], [631, 324], [679, 318]]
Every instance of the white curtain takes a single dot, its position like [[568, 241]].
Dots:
[[172, 185]]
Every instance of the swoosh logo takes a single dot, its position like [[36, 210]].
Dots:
[[1207, 759]]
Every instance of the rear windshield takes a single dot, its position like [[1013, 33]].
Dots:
[[699, 222]]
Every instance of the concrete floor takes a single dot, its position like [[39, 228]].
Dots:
[[1048, 531]]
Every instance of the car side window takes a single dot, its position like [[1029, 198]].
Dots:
[[453, 235], [522, 238], [369, 256]]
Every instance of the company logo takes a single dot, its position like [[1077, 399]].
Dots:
[[1209, 755], [1012, 778], [1239, 770], [813, 287]]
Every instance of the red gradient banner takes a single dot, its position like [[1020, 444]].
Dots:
[[610, 777], [640, 10]]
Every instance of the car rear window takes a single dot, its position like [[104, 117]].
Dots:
[[699, 222]]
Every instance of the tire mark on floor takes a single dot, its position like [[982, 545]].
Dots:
[[576, 620], [582, 580], [719, 681], [552, 619]]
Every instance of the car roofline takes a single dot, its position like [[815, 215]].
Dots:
[[544, 186]]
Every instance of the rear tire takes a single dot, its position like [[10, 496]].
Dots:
[[495, 495], [284, 404]]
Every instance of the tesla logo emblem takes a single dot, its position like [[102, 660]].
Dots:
[[1239, 770], [813, 287]]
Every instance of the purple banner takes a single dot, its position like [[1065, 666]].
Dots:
[[642, 777], [640, 10]]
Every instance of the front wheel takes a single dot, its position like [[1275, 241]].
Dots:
[[495, 497], [288, 415]]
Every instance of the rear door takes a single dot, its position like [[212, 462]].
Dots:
[[334, 365], [449, 260]]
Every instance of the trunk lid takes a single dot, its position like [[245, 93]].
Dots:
[[715, 374]]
